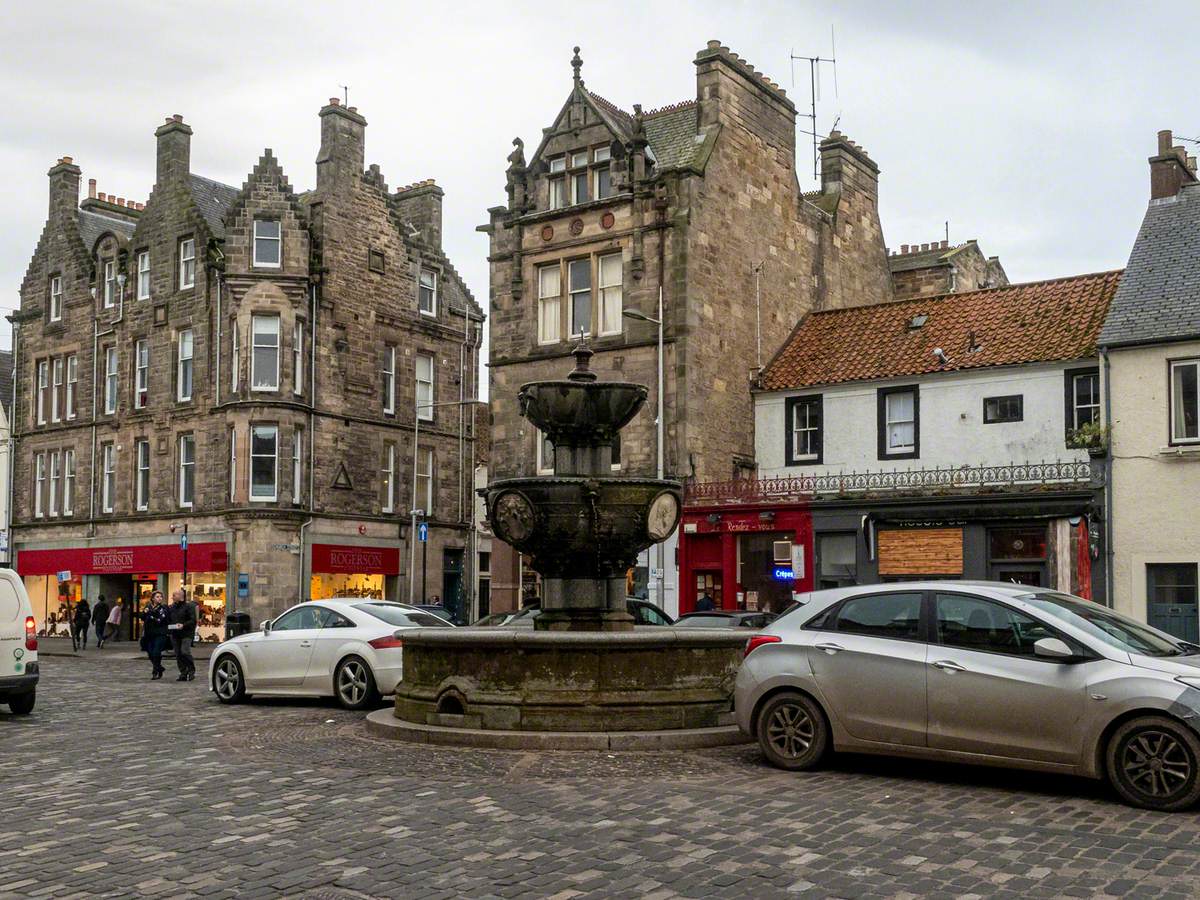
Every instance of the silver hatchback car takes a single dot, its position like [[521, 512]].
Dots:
[[978, 672]]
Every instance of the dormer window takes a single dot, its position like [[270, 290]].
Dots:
[[110, 284], [580, 177], [266, 243], [558, 185], [601, 177]]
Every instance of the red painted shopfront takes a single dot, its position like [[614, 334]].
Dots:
[[746, 557], [209, 557]]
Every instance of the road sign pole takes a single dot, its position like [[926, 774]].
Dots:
[[424, 558]]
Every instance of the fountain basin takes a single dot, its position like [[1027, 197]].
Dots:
[[496, 679]]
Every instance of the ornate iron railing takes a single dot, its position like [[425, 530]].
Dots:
[[965, 479]]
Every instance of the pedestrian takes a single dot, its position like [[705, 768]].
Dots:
[[82, 622], [100, 619], [183, 633], [705, 603], [113, 624], [155, 620]]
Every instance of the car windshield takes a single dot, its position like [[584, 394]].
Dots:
[[706, 621], [1110, 627], [402, 617]]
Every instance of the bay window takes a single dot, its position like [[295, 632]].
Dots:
[[264, 353]]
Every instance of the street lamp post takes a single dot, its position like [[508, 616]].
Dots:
[[183, 543], [641, 316]]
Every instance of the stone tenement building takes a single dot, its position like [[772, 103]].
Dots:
[[700, 200], [928, 270], [245, 362]]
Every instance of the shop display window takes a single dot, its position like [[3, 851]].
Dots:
[[326, 586]]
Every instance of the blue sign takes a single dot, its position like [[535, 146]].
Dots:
[[243, 584], [783, 574], [183, 541], [423, 532]]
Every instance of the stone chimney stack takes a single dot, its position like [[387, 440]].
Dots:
[[420, 205], [343, 145], [174, 150], [846, 166], [1170, 169], [64, 187]]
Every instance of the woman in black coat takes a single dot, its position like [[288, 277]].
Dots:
[[81, 622]]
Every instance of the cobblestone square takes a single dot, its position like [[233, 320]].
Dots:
[[121, 787]]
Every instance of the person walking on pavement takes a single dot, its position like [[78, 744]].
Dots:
[[100, 619], [82, 622], [113, 625], [155, 619], [705, 603], [183, 632]]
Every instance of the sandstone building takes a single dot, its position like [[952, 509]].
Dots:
[[246, 362], [928, 270], [699, 200]]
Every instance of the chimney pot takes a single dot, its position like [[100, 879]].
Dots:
[[945, 243], [103, 196], [352, 109], [904, 248], [66, 160], [92, 188], [1164, 142], [334, 101], [177, 118], [120, 201]]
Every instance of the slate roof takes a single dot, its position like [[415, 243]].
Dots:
[[6, 381], [1159, 298], [673, 137], [213, 199], [92, 225], [1041, 321]]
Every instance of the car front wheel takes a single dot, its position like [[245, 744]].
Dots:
[[354, 684], [22, 704], [792, 732], [1153, 763], [228, 682]]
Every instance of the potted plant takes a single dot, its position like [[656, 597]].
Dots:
[[1092, 437]]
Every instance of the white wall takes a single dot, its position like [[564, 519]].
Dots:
[[952, 433]]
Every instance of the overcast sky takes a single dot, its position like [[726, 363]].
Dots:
[[1026, 125]]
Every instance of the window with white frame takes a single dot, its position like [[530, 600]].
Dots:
[[388, 374], [601, 175], [72, 385], [579, 286], [425, 479], [298, 357], [39, 485], [264, 353], [579, 177], [549, 304], [1085, 398], [387, 479], [185, 370], [610, 278], [264, 457], [424, 366], [233, 463], [55, 476], [143, 275], [108, 477], [544, 453], [112, 380], [110, 284], [267, 241], [43, 391], [898, 422], [141, 373], [235, 357], [187, 470], [558, 182], [1185, 401], [56, 395], [187, 263], [141, 449], [297, 471], [56, 298], [805, 430], [68, 495], [427, 293]]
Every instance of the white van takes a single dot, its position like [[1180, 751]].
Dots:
[[18, 645]]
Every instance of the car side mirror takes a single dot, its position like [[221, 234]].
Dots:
[[266, 626], [1052, 648]]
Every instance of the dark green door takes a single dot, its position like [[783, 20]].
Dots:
[[1171, 599]]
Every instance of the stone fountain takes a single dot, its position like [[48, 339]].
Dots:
[[585, 677]]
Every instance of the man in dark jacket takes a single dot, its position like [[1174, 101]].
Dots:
[[156, 619], [100, 618], [183, 632], [82, 621]]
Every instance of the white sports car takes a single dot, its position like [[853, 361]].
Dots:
[[346, 648]]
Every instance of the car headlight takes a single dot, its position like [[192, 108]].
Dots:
[[1192, 681]]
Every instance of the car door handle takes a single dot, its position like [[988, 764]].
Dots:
[[830, 648], [306, 643], [947, 666]]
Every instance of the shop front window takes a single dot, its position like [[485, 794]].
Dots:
[[328, 586], [208, 590]]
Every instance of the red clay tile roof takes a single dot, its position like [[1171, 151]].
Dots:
[[1041, 321]]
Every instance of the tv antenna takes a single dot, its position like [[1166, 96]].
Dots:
[[345, 94], [814, 86]]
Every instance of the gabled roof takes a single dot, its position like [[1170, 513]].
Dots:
[[94, 225], [1041, 321], [1159, 298], [213, 199]]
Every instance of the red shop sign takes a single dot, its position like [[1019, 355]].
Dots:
[[123, 560], [342, 559]]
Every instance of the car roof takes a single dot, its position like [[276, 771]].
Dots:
[[350, 602]]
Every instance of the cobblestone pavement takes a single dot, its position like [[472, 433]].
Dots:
[[125, 788]]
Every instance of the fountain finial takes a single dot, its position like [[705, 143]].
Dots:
[[583, 356]]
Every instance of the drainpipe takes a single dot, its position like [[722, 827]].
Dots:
[[218, 397], [1110, 599], [312, 421]]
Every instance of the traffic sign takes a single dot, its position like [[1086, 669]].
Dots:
[[183, 541], [243, 584], [423, 532]]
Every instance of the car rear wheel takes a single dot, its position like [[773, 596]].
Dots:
[[792, 732], [1154, 762], [22, 704], [228, 682], [354, 684]]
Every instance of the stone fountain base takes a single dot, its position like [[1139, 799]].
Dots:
[[651, 681]]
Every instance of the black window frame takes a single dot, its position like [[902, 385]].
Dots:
[[1020, 414], [1069, 376], [881, 396], [789, 419]]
